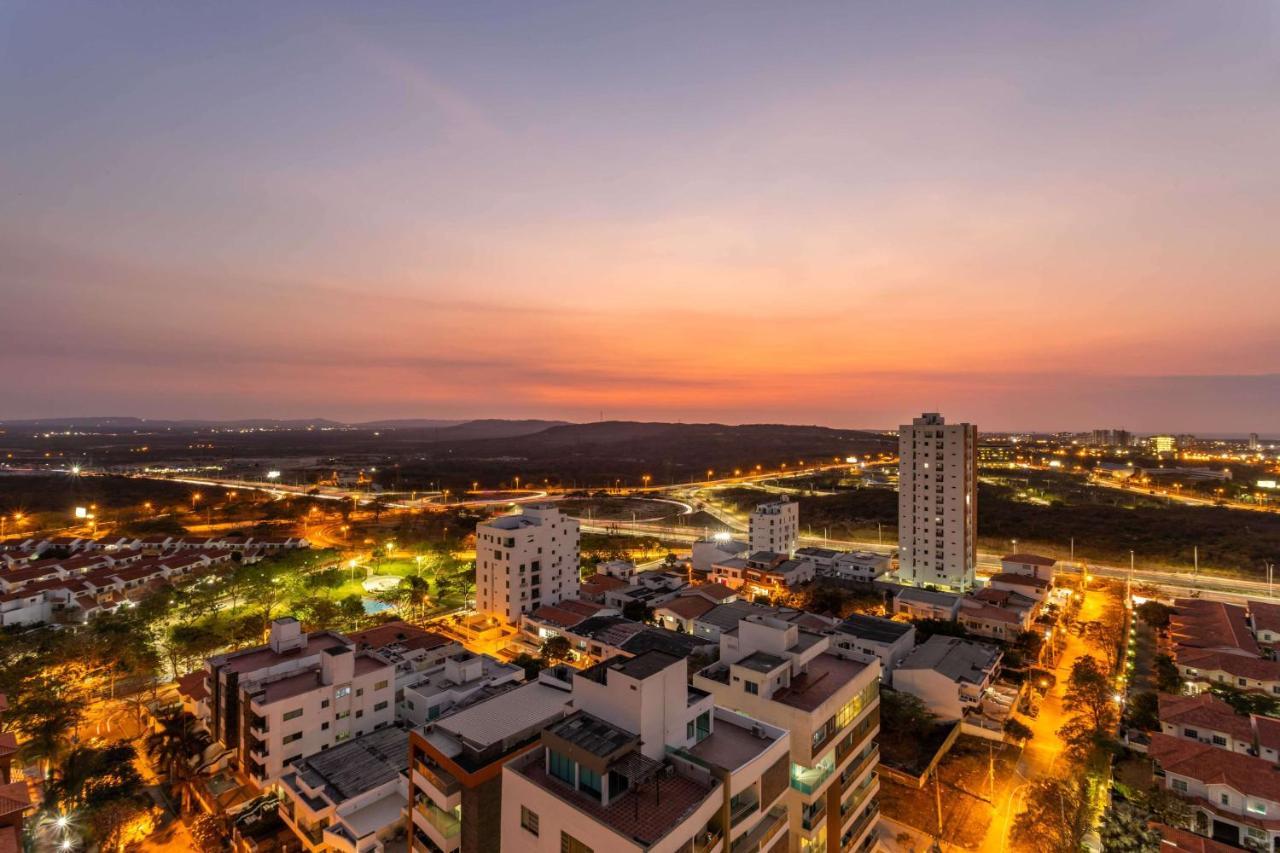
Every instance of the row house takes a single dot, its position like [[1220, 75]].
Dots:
[[951, 676], [1202, 668], [1235, 799]]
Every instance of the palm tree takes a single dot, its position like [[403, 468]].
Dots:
[[177, 745], [416, 592], [101, 787]]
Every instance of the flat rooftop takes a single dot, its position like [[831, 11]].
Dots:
[[646, 813], [761, 662], [357, 766], [592, 734], [504, 715], [261, 657], [731, 746], [826, 676]]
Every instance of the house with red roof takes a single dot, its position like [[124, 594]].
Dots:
[[1235, 798]]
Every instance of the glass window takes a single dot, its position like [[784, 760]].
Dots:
[[529, 820], [562, 767], [589, 781], [293, 715], [342, 692], [569, 844]]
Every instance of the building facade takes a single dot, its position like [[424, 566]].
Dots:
[[937, 503], [526, 560], [775, 527]]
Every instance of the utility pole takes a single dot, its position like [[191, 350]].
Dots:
[[1195, 573], [937, 799], [1073, 550]]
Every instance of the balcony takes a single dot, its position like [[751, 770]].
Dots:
[[860, 826], [859, 766], [763, 832], [441, 781], [859, 796], [708, 840], [806, 780], [443, 822], [740, 810]]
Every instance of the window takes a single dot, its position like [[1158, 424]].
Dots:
[[1219, 740], [342, 715], [359, 692], [1225, 798], [381, 685], [1191, 733], [569, 844], [292, 715], [562, 767], [1256, 807], [291, 738], [751, 687], [589, 781], [324, 727], [1179, 785], [381, 706], [324, 703], [529, 820], [342, 693]]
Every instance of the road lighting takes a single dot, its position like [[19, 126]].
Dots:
[[195, 499], [646, 479]]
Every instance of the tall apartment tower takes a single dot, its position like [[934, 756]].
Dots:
[[775, 526], [937, 503], [1254, 443], [526, 560]]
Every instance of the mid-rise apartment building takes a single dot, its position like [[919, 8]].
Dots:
[[777, 672], [775, 527], [937, 503], [647, 763], [526, 560], [295, 696], [456, 762]]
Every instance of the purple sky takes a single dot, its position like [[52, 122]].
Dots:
[[1025, 214]]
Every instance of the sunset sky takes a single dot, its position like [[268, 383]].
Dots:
[[1029, 215]]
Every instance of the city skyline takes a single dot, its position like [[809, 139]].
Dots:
[[1030, 216]]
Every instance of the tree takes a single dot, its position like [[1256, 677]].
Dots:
[[45, 715], [1155, 614], [1166, 806], [1168, 678], [926, 628], [1125, 830], [1246, 702], [637, 610], [1056, 817], [101, 784], [1107, 638], [1018, 730], [531, 665], [415, 592], [351, 610], [1144, 711], [1090, 693], [555, 650], [208, 833], [176, 746]]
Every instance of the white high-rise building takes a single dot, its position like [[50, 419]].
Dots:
[[526, 560], [937, 503], [775, 526]]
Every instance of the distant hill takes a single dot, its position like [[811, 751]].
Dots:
[[598, 451], [424, 429]]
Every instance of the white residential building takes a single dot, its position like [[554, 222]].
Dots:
[[865, 566], [867, 638], [937, 503], [715, 550], [526, 560], [647, 763], [775, 527], [950, 675], [778, 672], [296, 696], [434, 691], [352, 798]]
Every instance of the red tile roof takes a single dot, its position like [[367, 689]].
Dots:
[[1184, 841], [1199, 623], [1239, 666], [687, 606], [1020, 580], [1210, 765], [1268, 729], [717, 591], [400, 633], [193, 685], [600, 584], [1204, 711], [1266, 616], [557, 616], [14, 798]]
